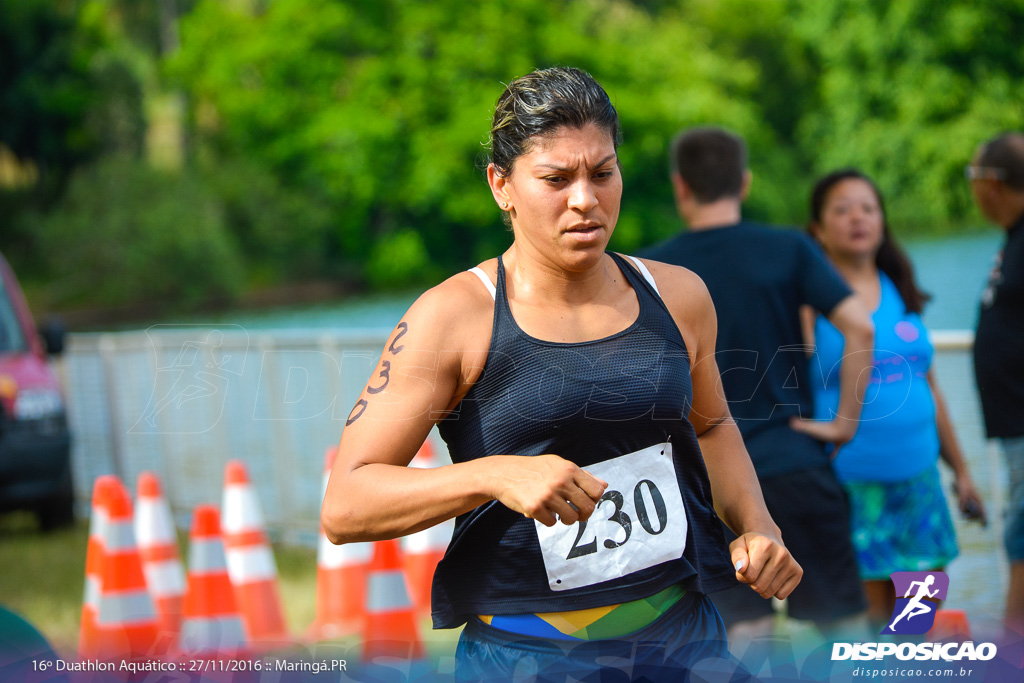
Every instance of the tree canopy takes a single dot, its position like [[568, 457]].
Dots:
[[346, 139]]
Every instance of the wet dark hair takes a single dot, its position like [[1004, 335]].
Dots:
[[541, 102], [1006, 152], [712, 161], [890, 258]]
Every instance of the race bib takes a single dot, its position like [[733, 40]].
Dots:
[[639, 522]]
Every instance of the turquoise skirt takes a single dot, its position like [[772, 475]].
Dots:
[[901, 526]]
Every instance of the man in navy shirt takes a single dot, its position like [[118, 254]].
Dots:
[[997, 183], [759, 278]]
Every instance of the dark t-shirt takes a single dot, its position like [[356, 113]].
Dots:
[[758, 278], [999, 342]]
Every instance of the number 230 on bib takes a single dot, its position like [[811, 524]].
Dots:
[[639, 522]]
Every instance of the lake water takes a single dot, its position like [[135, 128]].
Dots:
[[952, 269]]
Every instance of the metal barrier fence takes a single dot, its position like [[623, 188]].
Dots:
[[978, 577], [182, 401]]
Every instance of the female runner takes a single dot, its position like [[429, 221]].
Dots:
[[580, 400]]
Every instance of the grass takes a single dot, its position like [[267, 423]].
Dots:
[[43, 580], [43, 576]]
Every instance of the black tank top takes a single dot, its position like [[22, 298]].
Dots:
[[587, 402]]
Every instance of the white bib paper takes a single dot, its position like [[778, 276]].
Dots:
[[640, 522]]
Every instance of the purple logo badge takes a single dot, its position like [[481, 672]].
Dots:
[[914, 612], [906, 331]]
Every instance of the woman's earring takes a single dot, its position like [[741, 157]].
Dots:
[[504, 205]]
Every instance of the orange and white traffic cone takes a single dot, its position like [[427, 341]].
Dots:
[[212, 625], [425, 456], [423, 550], [949, 625], [126, 623], [340, 580], [99, 518], [390, 615], [250, 560], [158, 545]]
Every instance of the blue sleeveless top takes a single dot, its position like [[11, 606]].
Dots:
[[587, 402], [897, 437]]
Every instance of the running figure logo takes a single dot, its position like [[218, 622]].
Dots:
[[189, 393], [915, 612]]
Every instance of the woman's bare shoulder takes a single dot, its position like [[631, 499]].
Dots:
[[682, 290], [455, 313]]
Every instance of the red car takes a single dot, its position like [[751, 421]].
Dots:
[[35, 445]]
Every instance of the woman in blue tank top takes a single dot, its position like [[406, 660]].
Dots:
[[592, 450], [899, 515]]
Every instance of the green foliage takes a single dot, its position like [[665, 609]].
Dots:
[[281, 232], [44, 86], [66, 96], [68, 89], [907, 92], [387, 110], [760, 35], [398, 259], [344, 138], [128, 234]]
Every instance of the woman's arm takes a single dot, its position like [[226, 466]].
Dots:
[[761, 559], [968, 498], [808, 316], [853, 321], [428, 364]]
